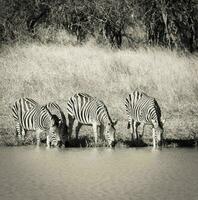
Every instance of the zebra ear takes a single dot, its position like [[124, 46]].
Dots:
[[115, 122], [48, 110], [53, 121], [154, 123], [163, 120], [59, 123]]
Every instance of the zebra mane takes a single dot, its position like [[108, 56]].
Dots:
[[158, 110], [108, 115]]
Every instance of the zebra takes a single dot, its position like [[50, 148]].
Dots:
[[141, 110], [30, 116], [89, 110], [55, 109]]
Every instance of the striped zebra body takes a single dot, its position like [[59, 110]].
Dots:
[[24, 104], [21, 107], [30, 116], [89, 110], [141, 110]]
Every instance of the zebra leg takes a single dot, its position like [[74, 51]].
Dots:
[[38, 140], [142, 133], [48, 141], [132, 129], [135, 134], [18, 130], [23, 134], [71, 123], [95, 128], [79, 125], [154, 138]]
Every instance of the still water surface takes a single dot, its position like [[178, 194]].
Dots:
[[30, 173]]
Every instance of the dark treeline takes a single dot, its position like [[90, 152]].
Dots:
[[169, 23]]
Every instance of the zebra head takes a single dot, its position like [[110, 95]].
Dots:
[[54, 129], [55, 140], [158, 127], [159, 135], [110, 133]]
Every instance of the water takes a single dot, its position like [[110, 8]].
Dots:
[[29, 173]]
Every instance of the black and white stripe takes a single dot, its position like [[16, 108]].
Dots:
[[89, 110], [55, 109], [30, 116], [142, 109], [20, 107]]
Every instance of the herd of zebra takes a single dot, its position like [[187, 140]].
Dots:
[[86, 110]]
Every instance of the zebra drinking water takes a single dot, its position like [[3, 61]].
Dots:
[[55, 109], [30, 116], [89, 110], [142, 109]]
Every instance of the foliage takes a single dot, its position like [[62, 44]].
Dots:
[[169, 23]]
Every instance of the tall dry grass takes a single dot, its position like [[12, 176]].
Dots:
[[55, 72]]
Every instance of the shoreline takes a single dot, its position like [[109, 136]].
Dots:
[[87, 141]]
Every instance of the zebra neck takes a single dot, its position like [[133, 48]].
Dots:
[[44, 120], [105, 117], [155, 123], [106, 120]]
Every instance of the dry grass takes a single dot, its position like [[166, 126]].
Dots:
[[55, 72]]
